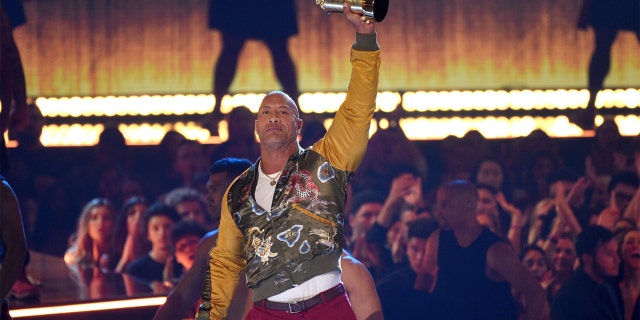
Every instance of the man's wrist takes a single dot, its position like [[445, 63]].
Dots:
[[366, 42]]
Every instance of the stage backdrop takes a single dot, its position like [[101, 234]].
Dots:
[[131, 47]]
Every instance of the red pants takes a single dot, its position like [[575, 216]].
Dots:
[[334, 309]]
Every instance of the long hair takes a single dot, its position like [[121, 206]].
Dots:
[[121, 227], [82, 245]]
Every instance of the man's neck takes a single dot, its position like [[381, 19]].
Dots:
[[593, 275], [273, 159], [467, 234]]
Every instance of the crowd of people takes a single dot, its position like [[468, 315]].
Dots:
[[533, 199], [474, 230], [528, 193]]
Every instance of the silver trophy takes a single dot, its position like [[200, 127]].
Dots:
[[369, 9]]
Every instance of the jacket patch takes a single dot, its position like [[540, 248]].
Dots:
[[261, 246], [325, 172], [326, 237], [301, 187], [305, 247], [291, 235]]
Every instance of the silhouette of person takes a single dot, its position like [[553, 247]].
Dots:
[[606, 18], [13, 88], [13, 246], [274, 31]]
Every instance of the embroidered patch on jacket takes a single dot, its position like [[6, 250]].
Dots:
[[305, 247], [261, 246], [291, 235], [326, 237], [301, 187], [325, 172]]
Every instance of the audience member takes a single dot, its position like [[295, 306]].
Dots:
[[156, 164], [562, 210], [128, 238], [92, 243], [196, 282], [459, 155], [622, 188], [396, 290], [608, 153], [400, 155], [535, 259], [185, 237], [404, 203], [591, 293], [190, 160], [33, 169], [156, 225], [241, 142], [491, 171], [469, 269], [366, 206], [630, 273], [564, 259], [190, 205], [521, 150], [632, 211], [532, 184], [500, 216]]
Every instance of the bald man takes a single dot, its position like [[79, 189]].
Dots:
[[469, 269]]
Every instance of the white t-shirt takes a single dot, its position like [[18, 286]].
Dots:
[[311, 287]]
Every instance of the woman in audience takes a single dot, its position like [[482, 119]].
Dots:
[[564, 259], [128, 238], [500, 216], [535, 259], [630, 273], [491, 171], [91, 245]]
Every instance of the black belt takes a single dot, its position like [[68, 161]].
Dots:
[[300, 306]]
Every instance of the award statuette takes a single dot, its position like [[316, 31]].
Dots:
[[369, 9]]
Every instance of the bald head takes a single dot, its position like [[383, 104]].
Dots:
[[292, 104], [462, 189], [459, 196]]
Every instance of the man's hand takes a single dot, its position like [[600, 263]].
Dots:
[[360, 23]]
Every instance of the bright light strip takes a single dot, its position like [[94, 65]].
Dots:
[[419, 128], [191, 104], [126, 106], [490, 100], [84, 307], [423, 128], [386, 101], [322, 102]]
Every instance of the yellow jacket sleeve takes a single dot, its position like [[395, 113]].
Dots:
[[346, 140], [227, 261]]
